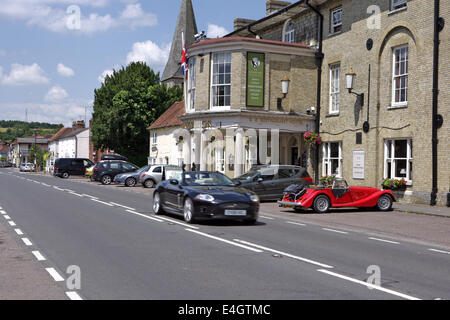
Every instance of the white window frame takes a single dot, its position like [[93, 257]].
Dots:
[[213, 85], [220, 160], [154, 138], [191, 85], [335, 87], [333, 24], [398, 4], [400, 75], [289, 35], [393, 160], [327, 159]]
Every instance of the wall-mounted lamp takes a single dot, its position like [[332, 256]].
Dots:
[[350, 80], [285, 86]]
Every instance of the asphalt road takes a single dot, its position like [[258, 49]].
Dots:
[[125, 252]]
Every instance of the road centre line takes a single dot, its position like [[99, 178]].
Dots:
[[76, 194], [144, 216], [440, 251], [19, 232], [224, 240], [382, 240], [369, 285], [38, 255], [55, 275], [73, 295], [119, 205], [86, 195], [27, 241], [296, 223], [105, 203], [180, 223], [286, 254], [336, 231], [57, 188]]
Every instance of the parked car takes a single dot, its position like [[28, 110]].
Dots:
[[337, 196], [105, 171], [5, 164], [155, 174], [205, 195], [269, 181], [113, 157], [65, 167], [130, 179], [26, 167]]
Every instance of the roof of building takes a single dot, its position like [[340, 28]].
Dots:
[[63, 131], [32, 140], [170, 118], [186, 23], [73, 133], [245, 39], [4, 148]]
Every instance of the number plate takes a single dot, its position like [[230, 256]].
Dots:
[[235, 212]]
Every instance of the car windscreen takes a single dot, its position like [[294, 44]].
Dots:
[[206, 179], [174, 174]]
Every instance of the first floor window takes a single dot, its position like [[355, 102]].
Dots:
[[400, 76], [335, 71], [398, 4], [221, 80], [336, 20], [398, 159], [289, 32], [154, 138], [191, 84], [332, 159]]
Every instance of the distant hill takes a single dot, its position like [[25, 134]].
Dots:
[[12, 129]]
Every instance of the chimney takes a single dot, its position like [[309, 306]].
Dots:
[[78, 124], [241, 22], [273, 6]]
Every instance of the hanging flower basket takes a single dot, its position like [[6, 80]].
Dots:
[[312, 138], [394, 184]]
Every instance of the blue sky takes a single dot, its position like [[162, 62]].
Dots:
[[52, 70]]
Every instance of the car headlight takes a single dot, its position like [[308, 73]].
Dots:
[[254, 198], [204, 197]]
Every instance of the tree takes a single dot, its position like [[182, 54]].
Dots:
[[37, 154], [127, 103]]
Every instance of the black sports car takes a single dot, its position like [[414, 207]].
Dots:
[[204, 194]]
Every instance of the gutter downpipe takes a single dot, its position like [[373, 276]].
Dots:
[[434, 140], [319, 58]]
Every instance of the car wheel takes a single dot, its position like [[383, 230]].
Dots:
[[384, 203], [188, 211], [106, 179], [91, 178], [322, 204], [65, 175], [130, 182], [149, 183], [157, 209]]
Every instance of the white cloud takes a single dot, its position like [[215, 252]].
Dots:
[[105, 73], [52, 15], [22, 75], [149, 52], [56, 94], [65, 71], [215, 31]]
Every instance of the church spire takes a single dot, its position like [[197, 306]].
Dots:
[[186, 23]]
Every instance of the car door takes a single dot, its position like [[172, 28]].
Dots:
[[173, 195], [265, 184], [157, 174], [284, 179], [77, 167], [114, 169]]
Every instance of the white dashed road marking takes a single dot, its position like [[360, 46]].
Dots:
[[440, 251], [119, 205], [144, 216], [265, 217], [92, 197], [55, 275], [38, 255], [382, 240], [102, 202], [27, 241], [336, 231], [7, 217], [11, 223], [18, 231], [372, 286], [296, 223], [73, 295], [224, 240]]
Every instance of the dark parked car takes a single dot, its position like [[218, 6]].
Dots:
[[65, 167], [105, 171], [5, 164], [130, 179], [198, 195], [269, 181]]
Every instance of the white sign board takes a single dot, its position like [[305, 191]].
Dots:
[[359, 168]]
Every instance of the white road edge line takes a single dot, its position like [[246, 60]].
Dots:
[[265, 217], [382, 240], [296, 223], [286, 254], [144, 216], [19, 232], [106, 203], [369, 285], [180, 223], [336, 231], [440, 251], [73, 295], [55, 275], [119, 205], [38, 255], [27, 241], [224, 240]]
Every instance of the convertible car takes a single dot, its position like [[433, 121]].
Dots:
[[339, 195], [202, 194]]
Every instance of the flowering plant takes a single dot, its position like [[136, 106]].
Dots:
[[180, 139], [394, 184], [327, 180], [313, 138]]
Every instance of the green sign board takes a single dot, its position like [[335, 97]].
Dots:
[[255, 79]]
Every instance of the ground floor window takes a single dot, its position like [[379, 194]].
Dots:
[[332, 159], [398, 159]]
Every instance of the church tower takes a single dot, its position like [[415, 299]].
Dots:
[[186, 23]]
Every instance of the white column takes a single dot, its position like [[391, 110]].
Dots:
[[198, 148], [204, 156], [239, 153], [187, 151]]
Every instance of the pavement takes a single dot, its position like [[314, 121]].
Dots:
[[124, 251]]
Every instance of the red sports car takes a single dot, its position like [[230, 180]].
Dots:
[[339, 195]]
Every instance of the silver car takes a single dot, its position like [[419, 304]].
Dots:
[[26, 167], [156, 174]]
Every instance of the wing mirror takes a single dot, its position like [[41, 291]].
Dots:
[[174, 182], [237, 183], [260, 180]]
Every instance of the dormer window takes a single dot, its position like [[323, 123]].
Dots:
[[289, 32]]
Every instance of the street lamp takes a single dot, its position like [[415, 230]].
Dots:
[[285, 86], [350, 81]]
